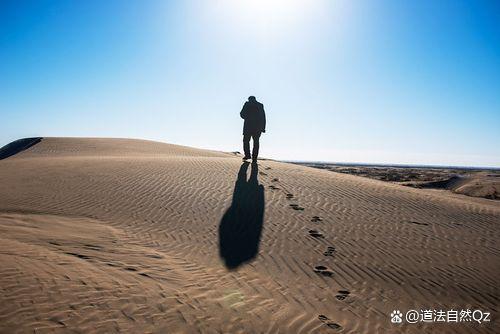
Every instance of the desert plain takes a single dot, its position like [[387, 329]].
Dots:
[[102, 235]]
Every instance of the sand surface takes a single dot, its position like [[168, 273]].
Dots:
[[116, 235]]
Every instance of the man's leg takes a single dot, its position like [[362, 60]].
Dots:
[[246, 146], [255, 151]]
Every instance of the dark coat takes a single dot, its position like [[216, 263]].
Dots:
[[255, 118]]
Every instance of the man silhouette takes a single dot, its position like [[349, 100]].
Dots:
[[255, 123]]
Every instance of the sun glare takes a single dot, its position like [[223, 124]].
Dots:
[[265, 9], [269, 16]]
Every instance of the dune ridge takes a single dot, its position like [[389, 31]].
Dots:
[[121, 235]]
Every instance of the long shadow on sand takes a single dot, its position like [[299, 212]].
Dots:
[[241, 226]]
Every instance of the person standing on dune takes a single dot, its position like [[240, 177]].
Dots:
[[255, 123]]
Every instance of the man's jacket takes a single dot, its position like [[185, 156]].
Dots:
[[254, 116]]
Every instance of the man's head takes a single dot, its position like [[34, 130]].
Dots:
[[252, 98]]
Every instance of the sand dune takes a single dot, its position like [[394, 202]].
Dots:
[[486, 186], [116, 235]]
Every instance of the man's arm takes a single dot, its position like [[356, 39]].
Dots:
[[243, 113], [263, 119]]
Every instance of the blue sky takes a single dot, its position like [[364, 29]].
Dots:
[[352, 81]]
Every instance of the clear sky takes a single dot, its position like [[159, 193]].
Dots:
[[352, 81]]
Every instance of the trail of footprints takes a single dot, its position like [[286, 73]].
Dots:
[[329, 252]]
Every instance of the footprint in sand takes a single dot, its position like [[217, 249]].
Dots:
[[324, 319], [342, 294], [273, 187], [268, 168], [330, 251], [289, 196], [316, 219], [262, 173], [316, 234], [275, 179], [322, 270], [296, 207]]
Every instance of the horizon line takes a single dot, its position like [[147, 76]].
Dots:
[[401, 165]]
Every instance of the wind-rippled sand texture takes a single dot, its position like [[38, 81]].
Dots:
[[116, 235]]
